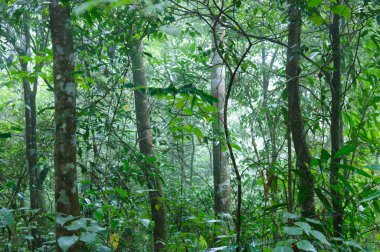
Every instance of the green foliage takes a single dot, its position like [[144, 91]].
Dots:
[[114, 198]]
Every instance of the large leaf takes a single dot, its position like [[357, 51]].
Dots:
[[7, 216], [344, 151], [282, 249], [342, 10], [65, 242], [202, 242], [322, 197], [321, 237], [103, 249], [306, 245], [88, 238], [345, 182], [316, 19], [77, 224], [372, 196], [313, 3], [293, 230], [353, 244], [314, 221], [95, 229], [356, 170], [5, 135], [62, 220], [305, 226], [292, 216]]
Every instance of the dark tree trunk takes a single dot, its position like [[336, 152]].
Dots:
[[66, 192], [306, 183], [35, 185], [145, 138], [336, 126]]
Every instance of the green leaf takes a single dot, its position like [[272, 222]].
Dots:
[[314, 3], [321, 237], [122, 192], [293, 230], [103, 249], [282, 249], [78, 224], [314, 221], [5, 135], [98, 213], [317, 19], [345, 182], [325, 155], [62, 220], [38, 59], [292, 216], [353, 244], [372, 196], [198, 133], [355, 170], [95, 229], [341, 10], [321, 195], [306, 245], [65, 242], [202, 242], [86, 6], [7, 216], [88, 238], [235, 146], [344, 151], [305, 226]]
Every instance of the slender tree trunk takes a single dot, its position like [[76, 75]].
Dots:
[[158, 207], [270, 188], [336, 126], [306, 183], [222, 181], [37, 200], [66, 192], [192, 160]]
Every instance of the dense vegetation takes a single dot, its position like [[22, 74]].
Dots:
[[189, 125]]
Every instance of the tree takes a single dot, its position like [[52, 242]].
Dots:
[[293, 69], [336, 127], [66, 192], [222, 181], [145, 140], [37, 200]]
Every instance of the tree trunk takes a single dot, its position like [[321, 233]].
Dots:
[[336, 126], [35, 186], [306, 183], [66, 192], [222, 181], [144, 131], [192, 161]]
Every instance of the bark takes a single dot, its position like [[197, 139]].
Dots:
[[192, 161], [66, 192], [306, 183], [37, 200], [222, 181], [144, 131], [336, 126]]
